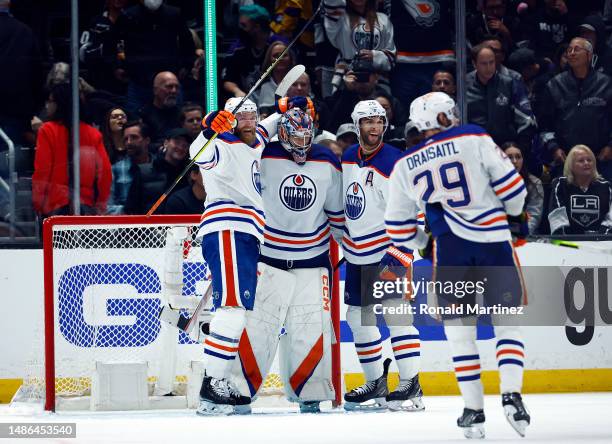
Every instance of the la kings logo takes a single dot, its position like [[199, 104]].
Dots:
[[354, 201], [297, 192], [584, 209]]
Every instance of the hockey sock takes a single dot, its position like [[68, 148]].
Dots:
[[406, 349], [368, 344], [221, 344], [466, 361], [510, 355]]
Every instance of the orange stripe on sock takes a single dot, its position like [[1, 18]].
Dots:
[[370, 352], [467, 368], [308, 365], [405, 346], [220, 347], [510, 352]]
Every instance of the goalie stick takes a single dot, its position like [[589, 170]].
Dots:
[[251, 91]]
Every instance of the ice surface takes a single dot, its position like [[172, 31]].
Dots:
[[556, 418]]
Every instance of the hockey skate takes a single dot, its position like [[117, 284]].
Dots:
[[309, 407], [218, 398], [516, 413], [371, 395], [407, 390], [472, 423]]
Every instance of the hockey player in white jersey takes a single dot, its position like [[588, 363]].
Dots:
[[469, 191], [231, 230], [301, 190], [369, 251]]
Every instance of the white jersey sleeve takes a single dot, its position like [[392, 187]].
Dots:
[[334, 206]]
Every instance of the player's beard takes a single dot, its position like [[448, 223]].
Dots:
[[247, 135], [370, 142]]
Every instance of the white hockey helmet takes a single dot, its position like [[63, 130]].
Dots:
[[424, 111], [368, 108], [247, 107]]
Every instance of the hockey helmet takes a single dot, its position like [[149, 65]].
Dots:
[[247, 107], [295, 132], [424, 111], [368, 108]]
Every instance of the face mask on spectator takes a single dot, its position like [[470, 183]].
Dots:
[[153, 5]]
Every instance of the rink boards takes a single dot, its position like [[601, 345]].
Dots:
[[556, 360]]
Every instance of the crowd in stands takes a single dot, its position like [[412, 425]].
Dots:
[[539, 81]]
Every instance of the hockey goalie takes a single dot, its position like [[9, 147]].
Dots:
[[302, 201]]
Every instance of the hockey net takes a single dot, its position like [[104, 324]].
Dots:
[[105, 280]]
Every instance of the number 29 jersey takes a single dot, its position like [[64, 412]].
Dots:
[[463, 182]]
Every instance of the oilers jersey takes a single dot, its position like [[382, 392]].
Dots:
[[303, 203], [365, 192], [231, 175], [463, 182]]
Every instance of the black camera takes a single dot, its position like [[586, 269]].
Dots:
[[362, 69]]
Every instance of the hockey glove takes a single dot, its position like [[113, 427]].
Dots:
[[284, 104], [397, 264], [518, 225], [427, 251], [219, 122]]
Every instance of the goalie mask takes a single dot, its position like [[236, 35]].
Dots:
[[367, 109], [424, 111], [295, 131]]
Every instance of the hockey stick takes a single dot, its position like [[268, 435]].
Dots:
[[570, 244], [251, 91]]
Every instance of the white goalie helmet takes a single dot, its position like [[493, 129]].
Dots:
[[368, 108], [247, 107], [424, 111]]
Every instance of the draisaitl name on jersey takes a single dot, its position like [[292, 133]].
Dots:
[[432, 152], [454, 310]]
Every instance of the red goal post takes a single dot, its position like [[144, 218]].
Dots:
[[103, 286]]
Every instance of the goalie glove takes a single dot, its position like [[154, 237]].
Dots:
[[219, 122], [284, 104]]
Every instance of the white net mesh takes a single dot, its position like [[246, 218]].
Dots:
[[108, 288]]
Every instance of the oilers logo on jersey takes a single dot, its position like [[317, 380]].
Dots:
[[425, 13], [256, 176], [355, 201], [298, 192]]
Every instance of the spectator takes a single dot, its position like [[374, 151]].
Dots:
[[593, 29], [21, 78], [424, 40], [173, 156], [580, 202], [342, 102], [52, 178], [243, 66], [395, 131], [346, 136], [534, 74], [266, 97], [547, 28], [332, 145], [363, 36], [578, 109], [163, 113], [495, 43], [191, 119], [112, 133], [444, 81], [301, 88], [498, 103], [188, 200], [193, 86], [534, 203], [492, 18], [137, 139], [412, 135], [100, 51], [156, 39], [289, 18]]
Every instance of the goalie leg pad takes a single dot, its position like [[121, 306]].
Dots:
[[367, 339], [305, 349], [259, 339]]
